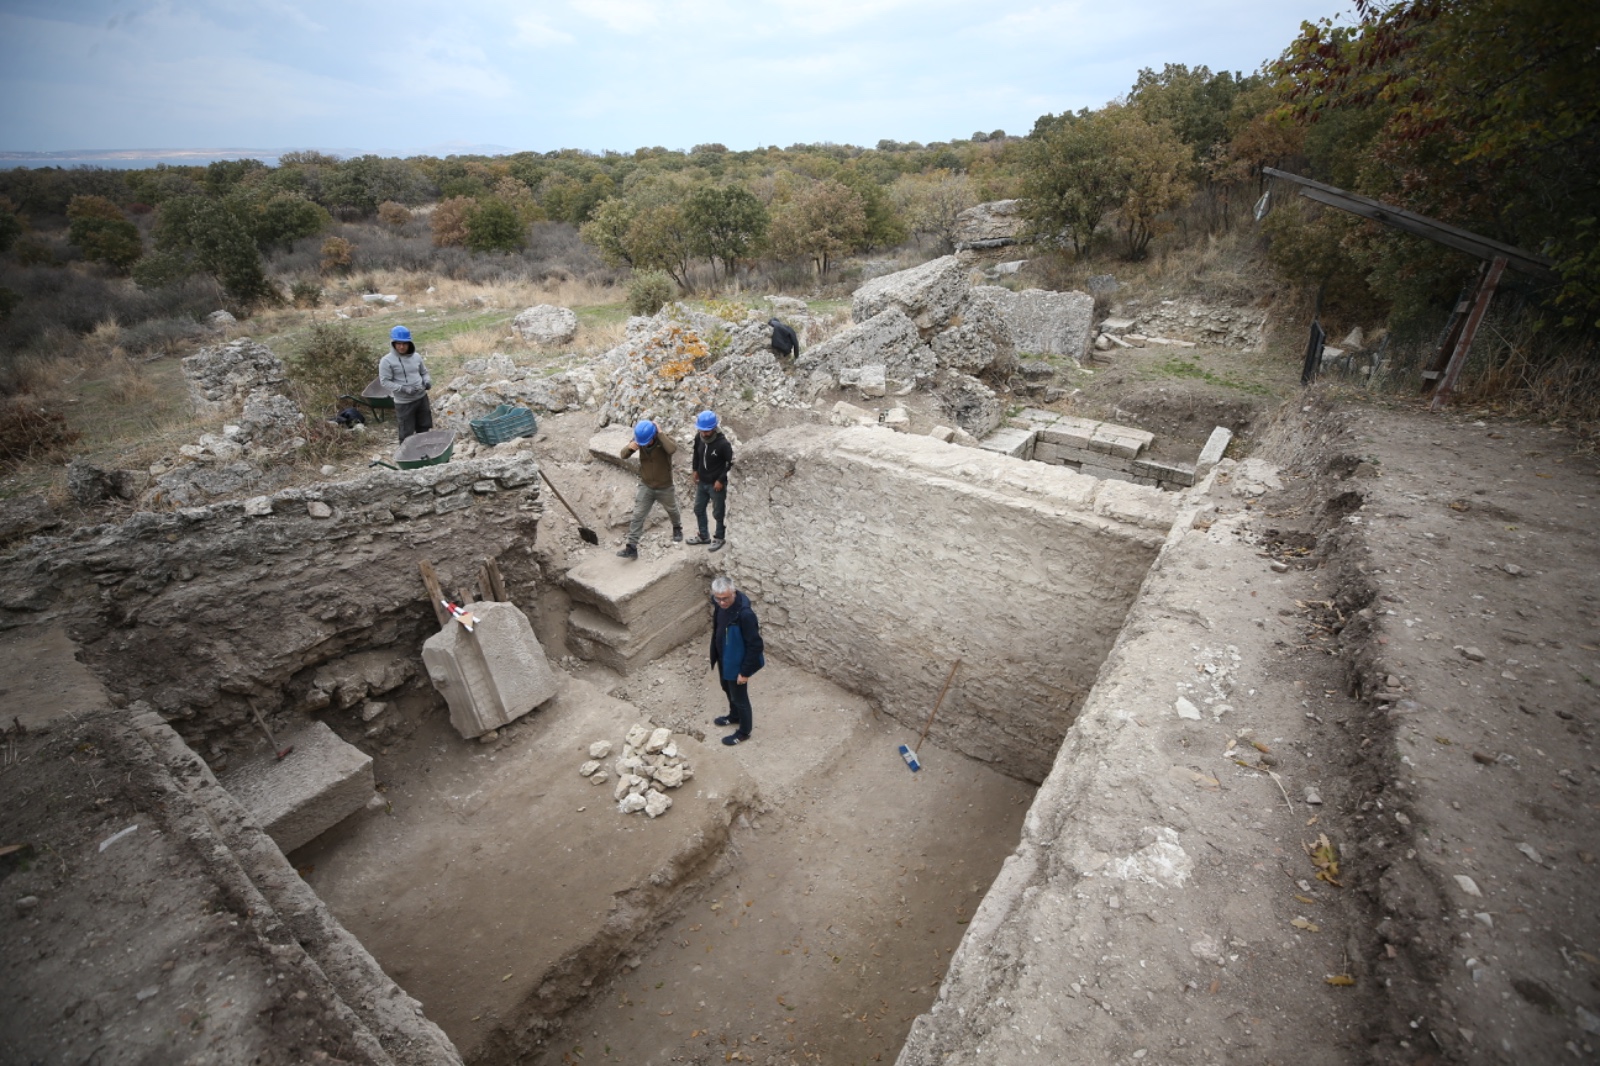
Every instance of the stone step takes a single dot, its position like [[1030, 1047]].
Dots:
[[592, 635], [316, 786], [630, 590]]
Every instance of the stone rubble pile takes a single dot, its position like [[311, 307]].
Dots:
[[227, 374], [1183, 323], [650, 764], [485, 384]]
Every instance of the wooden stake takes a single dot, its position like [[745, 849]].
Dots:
[[1458, 359], [435, 592], [496, 582]]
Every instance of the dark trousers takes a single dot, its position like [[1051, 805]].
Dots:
[[703, 494], [413, 417], [739, 705]]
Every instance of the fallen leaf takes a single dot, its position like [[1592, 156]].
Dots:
[[9, 848], [506, 978], [1342, 980], [1260, 747], [1586, 957], [1308, 926], [1303, 899], [1325, 859], [664, 1013], [1216, 983]]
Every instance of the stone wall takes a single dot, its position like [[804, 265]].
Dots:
[[877, 559], [203, 610]]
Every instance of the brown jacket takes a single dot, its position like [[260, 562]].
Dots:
[[655, 460]]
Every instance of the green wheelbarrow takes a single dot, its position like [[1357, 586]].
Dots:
[[375, 398], [422, 449]]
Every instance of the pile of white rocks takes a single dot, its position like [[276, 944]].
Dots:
[[649, 765]]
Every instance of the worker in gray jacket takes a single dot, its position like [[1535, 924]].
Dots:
[[402, 373]]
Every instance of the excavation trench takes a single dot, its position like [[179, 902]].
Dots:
[[800, 878]]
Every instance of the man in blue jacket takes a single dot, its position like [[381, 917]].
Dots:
[[736, 654]]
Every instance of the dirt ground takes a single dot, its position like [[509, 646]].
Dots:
[[1425, 622]]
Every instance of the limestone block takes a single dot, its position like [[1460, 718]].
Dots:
[[659, 739], [1017, 443], [1070, 432], [317, 785], [607, 446], [1034, 418], [871, 381], [1058, 323], [493, 675], [1120, 441], [600, 749], [1211, 454], [973, 405], [546, 324], [848, 414], [625, 649], [1045, 452], [630, 590], [589, 768], [978, 340], [1136, 504], [944, 433], [991, 225], [897, 419], [927, 294], [631, 802], [1172, 473], [656, 804], [889, 339], [1117, 326]]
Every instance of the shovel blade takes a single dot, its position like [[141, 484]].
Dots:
[[589, 536]]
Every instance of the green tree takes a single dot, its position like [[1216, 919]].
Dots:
[[278, 217], [607, 231], [1152, 166], [820, 222], [884, 226], [930, 203], [10, 224], [1071, 179], [99, 228], [199, 234], [493, 226], [728, 223]]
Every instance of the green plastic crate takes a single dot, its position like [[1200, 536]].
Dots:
[[505, 423]]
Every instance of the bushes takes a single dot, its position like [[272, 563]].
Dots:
[[393, 214], [449, 221], [649, 291], [332, 362], [337, 255], [493, 226], [28, 430], [305, 292], [102, 233]]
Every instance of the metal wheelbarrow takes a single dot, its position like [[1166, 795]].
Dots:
[[422, 449], [375, 398]]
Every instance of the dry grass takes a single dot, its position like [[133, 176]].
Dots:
[[129, 383], [448, 292]]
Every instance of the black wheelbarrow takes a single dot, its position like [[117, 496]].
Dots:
[[422, 449]]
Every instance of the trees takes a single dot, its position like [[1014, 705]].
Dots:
[[1070, 180], [1152, 166], [103, 233], [931, 203], [728, 224], [493, 226], [197, 234], [820, 222]]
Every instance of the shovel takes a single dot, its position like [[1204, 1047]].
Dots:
[[910, 754], [589, 536]]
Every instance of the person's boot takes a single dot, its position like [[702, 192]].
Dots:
[[629, 551], [698, 539], [677, 534], [716, 545]]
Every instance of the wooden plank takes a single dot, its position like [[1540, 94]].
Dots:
[[435, 593], [485, 589], [496, 581], [1458, 358]]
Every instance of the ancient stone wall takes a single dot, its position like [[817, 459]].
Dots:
[[878, 559], [203, 610]]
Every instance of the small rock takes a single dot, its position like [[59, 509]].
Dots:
[[490, 737], [371, 709], [1486, 918], [600, 777], [1513, 569], [1313, 797], [153, 990], [1473, 654], [1531, 852], [1400, 817], [328, 470], [1468, 885], [26, 904], [377, 803], [1279, 567], [600, 749], [657, 741], [1390, 681], [318, 509], [637, 735], [1187, 710], [630, 803], [656, 804], [589, 768], [258, 506], [670, 776]]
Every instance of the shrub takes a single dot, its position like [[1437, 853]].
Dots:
[[449, 221], [160, 334], [495, 227], [10, 224], [337, 254], [393, 214], [332, 362], [28, 430], [305, 292], [649, 291], [101, 231]]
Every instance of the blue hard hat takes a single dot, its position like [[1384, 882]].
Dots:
[[400, 333], [644, 433], [706, 421]]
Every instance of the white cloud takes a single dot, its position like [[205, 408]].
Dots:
[[535, 32], [623, 16]]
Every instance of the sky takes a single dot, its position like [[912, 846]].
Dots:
[[412, 76]]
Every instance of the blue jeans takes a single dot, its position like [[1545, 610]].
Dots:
[[647, 497], [739, 705], [703, 494]]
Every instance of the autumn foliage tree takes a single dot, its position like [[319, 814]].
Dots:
[[820, 222]]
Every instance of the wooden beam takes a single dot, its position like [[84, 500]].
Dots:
[[1419, 225], [435, 592], [1458, 358], [497, 583]]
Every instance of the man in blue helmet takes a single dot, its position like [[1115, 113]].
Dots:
[[655, 483], [713, 455], [402, 373]]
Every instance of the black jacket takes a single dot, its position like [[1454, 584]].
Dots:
[[712, 458], [784, 341], [736, 632]]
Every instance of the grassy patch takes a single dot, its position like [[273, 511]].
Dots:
[[1180, 366]]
